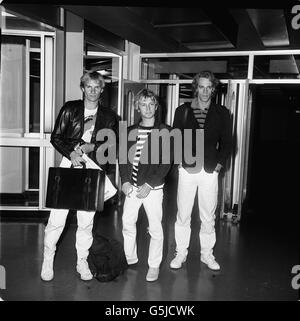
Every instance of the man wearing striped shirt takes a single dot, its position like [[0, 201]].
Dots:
[[213, 120], [142, 183], [200, 115]]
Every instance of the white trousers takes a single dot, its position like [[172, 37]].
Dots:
[[57, 220], [207, 184], [153, 208]]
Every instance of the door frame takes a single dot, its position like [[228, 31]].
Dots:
[[40, 140], [105, 54]]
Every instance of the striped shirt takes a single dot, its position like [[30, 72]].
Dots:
[[200, 115], [143, 133]]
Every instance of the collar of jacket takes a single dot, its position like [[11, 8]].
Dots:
[[101, 120], [81, 105], [100, 111], [188, 116]]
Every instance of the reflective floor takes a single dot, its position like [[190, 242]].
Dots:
[[256, 258]]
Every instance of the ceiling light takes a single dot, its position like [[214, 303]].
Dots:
[[103, 72]]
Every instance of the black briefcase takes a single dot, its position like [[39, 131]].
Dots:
[[75, 189]]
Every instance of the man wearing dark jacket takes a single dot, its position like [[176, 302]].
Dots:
[[143, 182], [214, 122], [74, 136]]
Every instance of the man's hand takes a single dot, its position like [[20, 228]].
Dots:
[[127, 189], [143, 191], [87, 148], [76, 158]]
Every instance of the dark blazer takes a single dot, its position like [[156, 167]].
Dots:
[[152, 174], [69, 126], [217, 133]]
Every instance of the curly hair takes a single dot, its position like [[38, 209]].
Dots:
[[204, 74]]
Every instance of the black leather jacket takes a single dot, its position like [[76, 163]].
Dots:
[[69, 126]]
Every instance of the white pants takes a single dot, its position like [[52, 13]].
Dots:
[[57, 220], [207, 184], [153, 208]]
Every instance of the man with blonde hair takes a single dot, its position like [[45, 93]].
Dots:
[[143, 182], [74, 136]]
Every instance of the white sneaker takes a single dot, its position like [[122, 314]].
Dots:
[[84, 271], [177, 262], [152, 274], [47, 273], [210, 262]]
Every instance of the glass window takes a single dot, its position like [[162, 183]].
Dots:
[[19, 176], [186, 67], [13, 21], [34, 88], [276, 67], [185, 93], [20, 85]]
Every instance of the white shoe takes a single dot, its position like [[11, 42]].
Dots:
[[210, 262], [152, 274], [47, 273], [177, 262], [84, 271]]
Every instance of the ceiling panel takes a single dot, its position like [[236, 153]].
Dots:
[[271, 26], [175, 29], [190, 34], [159, 16]]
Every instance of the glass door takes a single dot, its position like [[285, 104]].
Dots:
[[109, 65], [27, 64], [234, 185]]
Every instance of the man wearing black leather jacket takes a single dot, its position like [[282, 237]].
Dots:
[[74, 136]]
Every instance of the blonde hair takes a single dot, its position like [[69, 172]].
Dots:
[[91, 75], [145, 93]]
